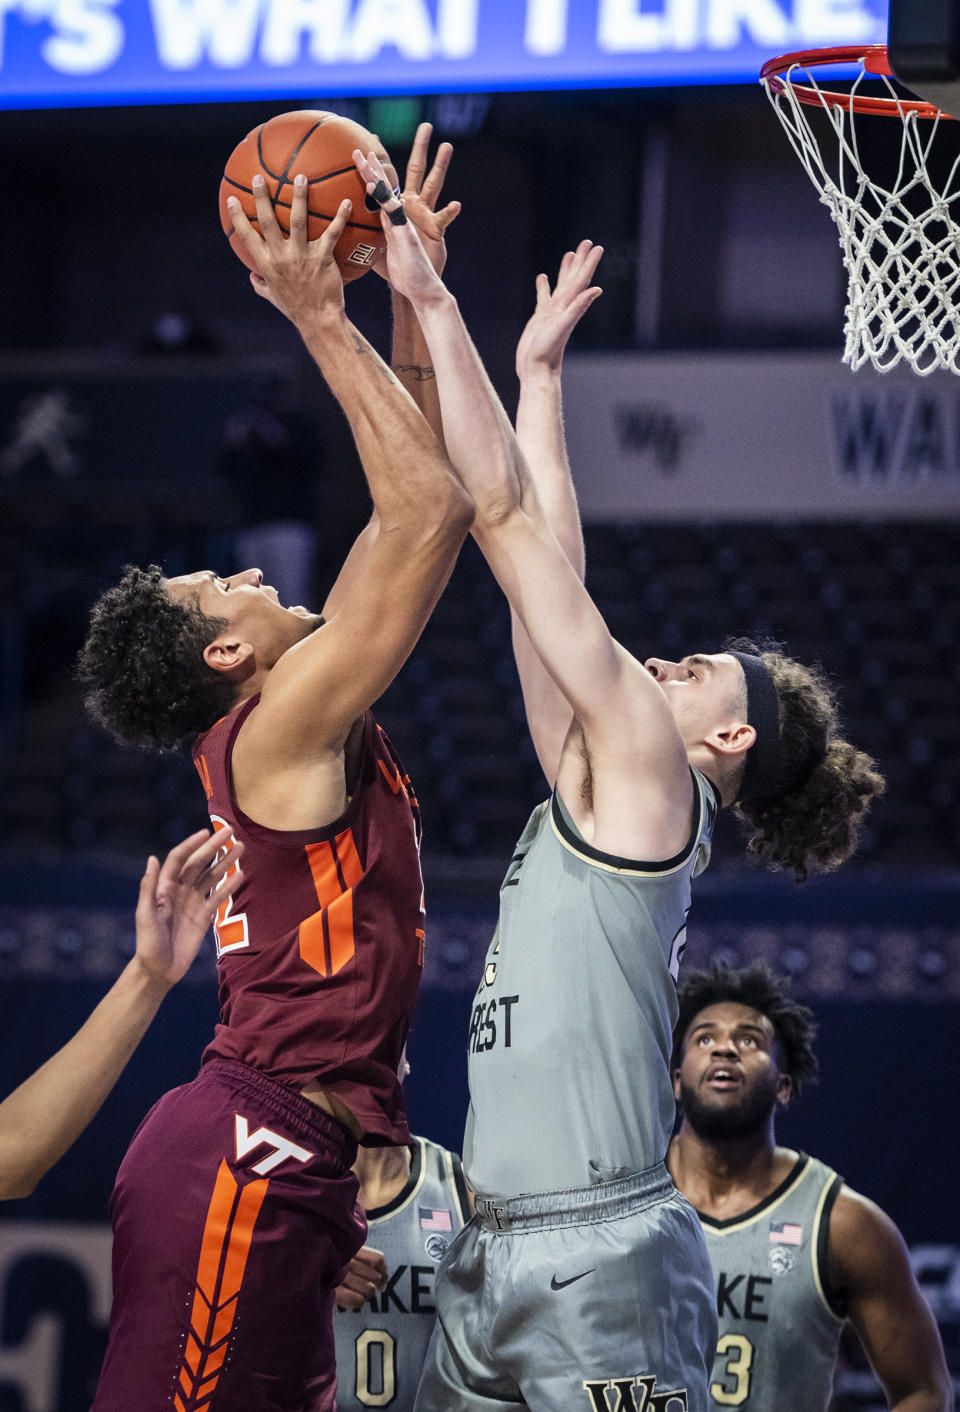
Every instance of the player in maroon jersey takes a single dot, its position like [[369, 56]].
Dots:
[[235, 1208]]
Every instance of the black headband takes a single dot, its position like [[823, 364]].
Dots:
[[765, 771]]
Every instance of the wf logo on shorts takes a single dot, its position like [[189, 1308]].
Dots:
[[633, 1395]]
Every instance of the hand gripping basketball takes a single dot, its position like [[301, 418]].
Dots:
[[318, 144], [296, 274]]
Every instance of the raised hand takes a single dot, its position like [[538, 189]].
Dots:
[[421, 193], [297, 275], [558, 311], [409, 268], [179, 900]]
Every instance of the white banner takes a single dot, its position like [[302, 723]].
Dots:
[[657, 436]]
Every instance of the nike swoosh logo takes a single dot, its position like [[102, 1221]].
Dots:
[[562, 1284]]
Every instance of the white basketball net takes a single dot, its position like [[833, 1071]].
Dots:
[[901, 249]]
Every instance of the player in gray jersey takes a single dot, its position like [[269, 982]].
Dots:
[[416, 1201], [794, 1251], [584, 1279]]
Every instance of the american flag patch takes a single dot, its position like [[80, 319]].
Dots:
[[785, 1233], [431, 1220]]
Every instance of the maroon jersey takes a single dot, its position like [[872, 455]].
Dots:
[[319, 952]]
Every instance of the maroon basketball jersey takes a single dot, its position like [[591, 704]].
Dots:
[[319, 952]]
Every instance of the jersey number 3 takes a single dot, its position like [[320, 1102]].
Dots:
[[738, 1351]]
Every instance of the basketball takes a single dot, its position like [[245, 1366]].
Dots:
[[320, 145]]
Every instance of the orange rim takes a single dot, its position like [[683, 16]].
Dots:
[[776, 75]]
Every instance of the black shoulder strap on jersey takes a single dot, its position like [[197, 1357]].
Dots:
[[375, 1213], [835, 1298]]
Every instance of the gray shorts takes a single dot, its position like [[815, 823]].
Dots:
[[599, 1299]]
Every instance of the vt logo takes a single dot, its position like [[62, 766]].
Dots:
[[282, 1147], [633, 1395]]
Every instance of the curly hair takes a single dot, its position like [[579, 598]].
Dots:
[[142, 666], [814, 826], [763, 990]]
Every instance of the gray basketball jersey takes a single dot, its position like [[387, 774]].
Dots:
[[572, 1025], [381, 1347], [779, 1330]]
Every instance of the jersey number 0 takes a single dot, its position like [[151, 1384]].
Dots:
[[376, 1368]]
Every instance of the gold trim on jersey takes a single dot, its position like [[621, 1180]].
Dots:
[[652, 870], [414, 1189], [815, 1246], [766, 1206]]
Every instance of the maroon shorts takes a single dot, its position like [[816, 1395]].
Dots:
[[233, 1214]]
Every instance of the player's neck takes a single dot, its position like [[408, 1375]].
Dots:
[[382, 1172], [252, 686], [720, 776], [722, 1177]]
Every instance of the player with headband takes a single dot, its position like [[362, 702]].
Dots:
[[584, 1279]]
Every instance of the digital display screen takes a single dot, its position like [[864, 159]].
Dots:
[[60, 53]]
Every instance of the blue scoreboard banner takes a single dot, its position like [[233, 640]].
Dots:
[[56, 53]]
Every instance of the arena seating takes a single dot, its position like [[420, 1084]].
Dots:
[[877, 604]]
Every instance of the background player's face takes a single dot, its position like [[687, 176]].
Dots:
[[706, 692], [251, 608], [729, 1080]]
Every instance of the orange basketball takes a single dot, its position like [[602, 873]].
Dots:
[[319, 145]]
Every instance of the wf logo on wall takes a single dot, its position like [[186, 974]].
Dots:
[[657, 430]]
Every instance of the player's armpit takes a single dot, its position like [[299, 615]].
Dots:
[[869, 1265]]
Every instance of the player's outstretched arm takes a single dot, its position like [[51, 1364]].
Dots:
[[540, 433], [642, 791], [410, 357], [870, 1265], [421, 513], [49, 1111]]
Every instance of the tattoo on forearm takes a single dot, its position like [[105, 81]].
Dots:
[[363, 348], [416, 370]]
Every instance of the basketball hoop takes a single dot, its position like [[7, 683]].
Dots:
[[901, 246]]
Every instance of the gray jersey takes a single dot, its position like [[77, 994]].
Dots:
[[779, 1322], [572, 1026], [381, 1347]]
